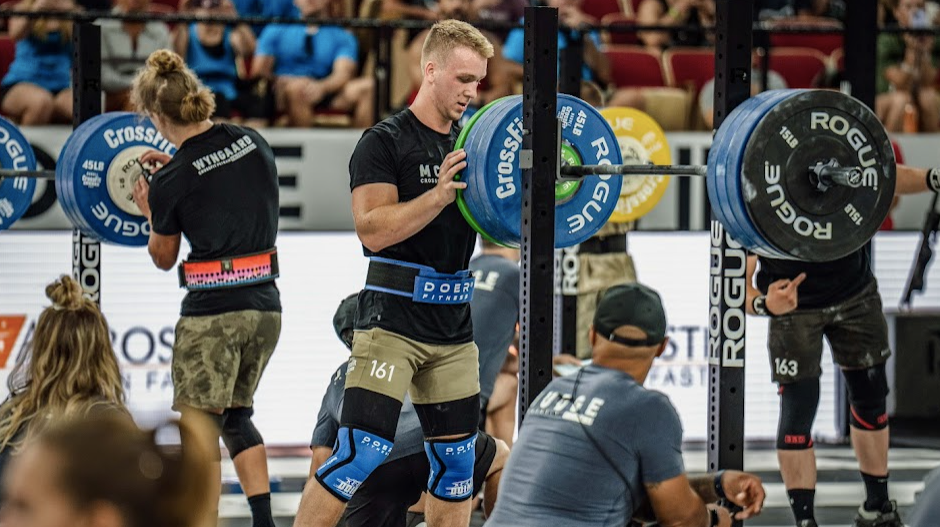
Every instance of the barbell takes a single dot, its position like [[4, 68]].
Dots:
[[791, 174], [98, 166]]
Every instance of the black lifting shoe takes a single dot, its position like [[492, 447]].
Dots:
[[807, 523], [887, 517]]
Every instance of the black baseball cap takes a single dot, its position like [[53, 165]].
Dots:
[[344, 318], [631, 305]]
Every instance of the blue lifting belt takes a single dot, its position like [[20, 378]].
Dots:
[[420, 283]]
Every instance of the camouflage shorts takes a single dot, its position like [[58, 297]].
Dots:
[[218, 359]]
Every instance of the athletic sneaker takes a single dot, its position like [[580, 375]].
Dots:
[[887, 517], [807, 523]]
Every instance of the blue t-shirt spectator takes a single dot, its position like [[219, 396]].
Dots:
[[44, 62], [585, 452], [299, 53], [513, 48], [270, 8], [216, 71], [494, 310]]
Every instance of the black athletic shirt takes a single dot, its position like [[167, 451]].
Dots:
[[220, 190], [404, 152], [826, 284]]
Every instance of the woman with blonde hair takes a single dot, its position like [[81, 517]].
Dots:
[[68, 369], [220, 189], [37, 88], [106, 472]]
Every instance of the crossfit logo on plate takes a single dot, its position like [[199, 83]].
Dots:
[[129, 134], [91, 180], [507, 158]]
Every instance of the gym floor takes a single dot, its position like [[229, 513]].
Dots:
[[838, 495]]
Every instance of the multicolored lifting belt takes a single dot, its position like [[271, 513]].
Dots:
[[238, 271], [419, 282]]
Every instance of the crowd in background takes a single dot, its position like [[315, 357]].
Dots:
[[307, 75]]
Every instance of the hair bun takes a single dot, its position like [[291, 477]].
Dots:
[[165, 61], [65, 293]]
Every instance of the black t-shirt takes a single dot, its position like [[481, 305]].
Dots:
[[826, 284], [404, 152], [220, 190]]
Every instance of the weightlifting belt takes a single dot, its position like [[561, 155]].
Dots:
[[420, 283], [604, 245], [237, 271]]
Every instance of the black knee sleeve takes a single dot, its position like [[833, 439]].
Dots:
[[458, 417], [798, 403], [868, 390], [238, 432]]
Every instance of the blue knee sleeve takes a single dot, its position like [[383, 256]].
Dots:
[[356, 455], [452, 463]]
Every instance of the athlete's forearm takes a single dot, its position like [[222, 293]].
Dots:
[[387, 225], [911, 180], [704, 486]]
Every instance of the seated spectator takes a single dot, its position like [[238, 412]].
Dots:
[[596, 66], [496, 84], [414, 9], [314, 69], [38, 88], [696, 13], [504, 11], [106, 472], [907, 72], [266, 8], [596, 445], [125, 47], [706, 97], [69, 369], [217, 54]]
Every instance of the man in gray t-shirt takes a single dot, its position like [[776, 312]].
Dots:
[[384, 499], [494, 309], [596, 445]]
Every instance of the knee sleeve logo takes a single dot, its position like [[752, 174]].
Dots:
[[797, 440], [460, 488], [786, 367]]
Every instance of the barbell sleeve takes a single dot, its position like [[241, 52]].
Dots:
[[576, 171], [36, 174]]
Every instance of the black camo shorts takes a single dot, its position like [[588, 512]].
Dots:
[[856, 330]]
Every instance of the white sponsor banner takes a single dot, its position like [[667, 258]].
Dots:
[[319, 269]]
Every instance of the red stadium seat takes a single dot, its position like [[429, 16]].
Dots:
[[689, 68], [634, 66], [620, 20], [798, 66], [599, 8], [825, 43], [7, 51]]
